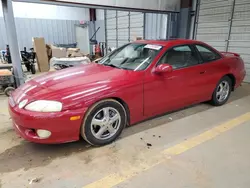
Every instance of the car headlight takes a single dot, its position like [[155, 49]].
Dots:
[[23, 103], [44, 106]]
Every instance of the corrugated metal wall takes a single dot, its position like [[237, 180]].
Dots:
[[225, 24], [156, 26], [3, 37], [54, 31]]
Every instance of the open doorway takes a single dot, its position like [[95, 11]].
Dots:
[[82, 38]]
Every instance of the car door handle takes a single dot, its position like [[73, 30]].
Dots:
[[203, 72]]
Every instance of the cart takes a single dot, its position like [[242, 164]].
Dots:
[[7, 81]]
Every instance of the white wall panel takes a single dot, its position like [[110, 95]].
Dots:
[[44, 11], [54, 31], [156, 26]]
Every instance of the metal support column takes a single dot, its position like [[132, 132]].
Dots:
[[144, 26], [12, 40], [230, 26], [129, 32], [116, 22], [196, 19], [106, 32]]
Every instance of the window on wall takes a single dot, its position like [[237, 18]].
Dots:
[[180, 57], [207, 54]]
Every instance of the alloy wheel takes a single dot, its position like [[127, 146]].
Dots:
[[223, 91], [105, 123]]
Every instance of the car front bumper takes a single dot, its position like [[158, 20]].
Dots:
[[60, 124]]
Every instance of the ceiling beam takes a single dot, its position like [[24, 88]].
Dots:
[[81, 4]]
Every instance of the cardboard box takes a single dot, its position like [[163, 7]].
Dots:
[[71, 51], [41, 54], [58, 52]]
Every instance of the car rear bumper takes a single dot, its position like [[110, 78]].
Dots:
[[60, 126], [240, 78]]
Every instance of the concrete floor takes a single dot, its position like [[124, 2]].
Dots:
[[218, 160]]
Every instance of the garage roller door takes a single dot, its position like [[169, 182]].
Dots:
[[136, 25], [225, 24], [123, 26], [111, 28], [213, 22], [240, 33]]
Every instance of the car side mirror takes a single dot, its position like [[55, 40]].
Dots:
[[163, 68]]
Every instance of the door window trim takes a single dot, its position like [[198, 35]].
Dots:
[[209, 48], [179, 45]]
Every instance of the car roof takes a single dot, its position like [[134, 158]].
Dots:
[[170, 42]]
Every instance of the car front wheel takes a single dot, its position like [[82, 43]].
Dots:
[[222, 91], [104, 122]]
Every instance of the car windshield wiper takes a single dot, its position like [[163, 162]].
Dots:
[[125, 68], [111, 65]]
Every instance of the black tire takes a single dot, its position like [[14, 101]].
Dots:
[[8, 91], [86, 132], [28, 67], [33, 69], [215, 101]]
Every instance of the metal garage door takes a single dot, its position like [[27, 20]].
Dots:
[[123, 26], [225, 24], [111, 28], [240, 33], [213, 22]]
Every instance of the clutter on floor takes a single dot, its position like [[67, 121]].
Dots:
[[50, 57], [41, 54], [7, 81], [62, 63]]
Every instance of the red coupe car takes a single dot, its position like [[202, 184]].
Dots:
[[133, 83]]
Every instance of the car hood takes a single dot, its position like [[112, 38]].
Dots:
[[72, 83]]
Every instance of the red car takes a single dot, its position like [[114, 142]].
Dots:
[[135, 82]]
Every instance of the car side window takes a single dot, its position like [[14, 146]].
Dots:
[[180, 57], [207, 54]]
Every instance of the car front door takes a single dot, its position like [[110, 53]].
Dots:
[[176, 89]]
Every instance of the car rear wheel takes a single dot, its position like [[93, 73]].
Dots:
[[104, 122], [222, 91]]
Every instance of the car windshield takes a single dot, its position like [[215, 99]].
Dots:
[[133, 56]]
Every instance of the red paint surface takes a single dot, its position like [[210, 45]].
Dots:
[[146, 93]]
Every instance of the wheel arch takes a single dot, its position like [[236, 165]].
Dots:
[[125, 105], [119, 100], [233, 79]]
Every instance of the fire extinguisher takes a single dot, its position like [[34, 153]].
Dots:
[[97, 50]]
